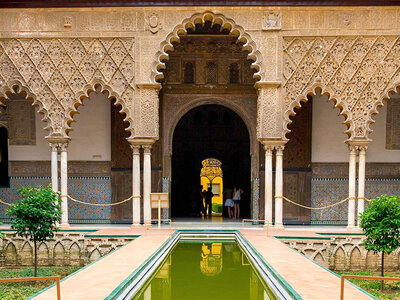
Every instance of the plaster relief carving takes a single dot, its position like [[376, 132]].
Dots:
[[357, 72], [272, 21], [58, 73], [225, 23], [153, 23], [68, 22]]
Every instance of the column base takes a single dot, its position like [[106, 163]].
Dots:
[[279, 227], [268, 225], [63, 226], [136, 226], [353, 228], [147, 225]]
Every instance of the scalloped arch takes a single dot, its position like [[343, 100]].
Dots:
[[391, 89], [225, 23], [16, 86], [312, 90], [104, 89]]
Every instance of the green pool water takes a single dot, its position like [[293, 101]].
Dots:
[[206, 271]]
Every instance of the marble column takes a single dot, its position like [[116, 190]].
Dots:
[[64, 185], [279, 187], [352, 187], [54, 166], [361, 180], [147, 184], [268, 185], [135, 185]]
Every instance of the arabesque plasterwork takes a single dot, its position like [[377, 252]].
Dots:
[[58, 73], [58, 57], [357, 72]]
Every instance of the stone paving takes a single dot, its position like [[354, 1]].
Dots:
[[99, 279]]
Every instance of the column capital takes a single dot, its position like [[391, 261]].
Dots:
[[135, 149], [58, 144], [147, 148], [361, 145], [278, 145], [279, 149]]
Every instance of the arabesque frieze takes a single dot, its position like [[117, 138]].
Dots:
[[356, 71]]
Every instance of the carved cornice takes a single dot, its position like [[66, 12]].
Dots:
[[156, 86], [267, 84]]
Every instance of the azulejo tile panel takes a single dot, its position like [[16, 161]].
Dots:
[[326, 191], [86, 189]]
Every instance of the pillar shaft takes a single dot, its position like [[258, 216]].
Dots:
[[64, 185], [136, 184], [54, 167], [352, 187], [361, 180], [279, 187], [268, 185], [147, 184]]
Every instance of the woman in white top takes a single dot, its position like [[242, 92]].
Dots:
[[237, 192]]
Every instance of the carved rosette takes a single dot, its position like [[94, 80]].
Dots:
[[269, 117]]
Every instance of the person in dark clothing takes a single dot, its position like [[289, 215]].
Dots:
[[208, 198], [200, 200]]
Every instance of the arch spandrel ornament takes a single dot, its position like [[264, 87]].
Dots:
[[215, 18], [59, 71], [357, 73]]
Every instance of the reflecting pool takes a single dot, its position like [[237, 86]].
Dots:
[[205, 271]]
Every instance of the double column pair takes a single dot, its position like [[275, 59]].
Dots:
[[360, 148], [60, 146], [136, 192], [269, 148]]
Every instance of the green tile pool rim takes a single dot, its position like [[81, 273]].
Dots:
[[143, 270]]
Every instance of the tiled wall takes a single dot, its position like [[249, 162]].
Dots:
[[326, 191], [87, 189]]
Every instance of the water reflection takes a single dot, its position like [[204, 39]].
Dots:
[[211, 259], [205, 270]]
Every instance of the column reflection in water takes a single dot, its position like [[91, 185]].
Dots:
[[206, 270]]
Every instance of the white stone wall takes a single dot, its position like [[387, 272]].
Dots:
[[90, 135], [328, 138]]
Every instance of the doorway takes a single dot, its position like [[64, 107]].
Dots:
[[209, 131]]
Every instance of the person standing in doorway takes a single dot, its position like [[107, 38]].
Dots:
[[200, 201], [208, 199], [237, 192], [229, 202]]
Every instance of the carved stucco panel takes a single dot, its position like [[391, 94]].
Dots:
[[356, 71], [269, 113], [57, 73], [171, 34], [147, 112]]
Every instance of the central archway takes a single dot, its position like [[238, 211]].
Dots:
[[209, 131]]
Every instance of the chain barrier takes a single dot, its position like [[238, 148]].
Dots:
[[1, 201], [131, 197], [100, 204], [316, 208]]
